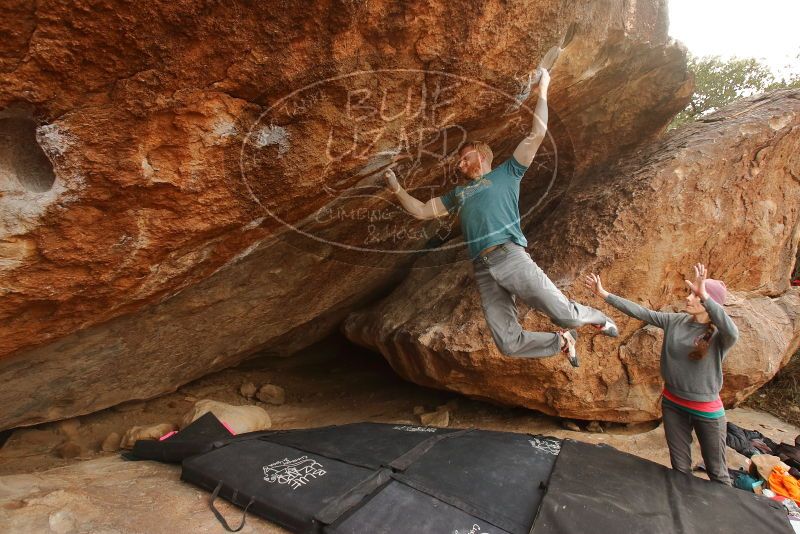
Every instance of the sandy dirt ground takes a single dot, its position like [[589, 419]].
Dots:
[[331, 383]]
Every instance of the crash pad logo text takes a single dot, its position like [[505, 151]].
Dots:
[[294, 473], [546, 445], [476, 529], [405, 428]]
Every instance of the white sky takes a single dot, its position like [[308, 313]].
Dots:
[[767, 29]]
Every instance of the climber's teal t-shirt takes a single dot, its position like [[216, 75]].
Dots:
[[489, 207]]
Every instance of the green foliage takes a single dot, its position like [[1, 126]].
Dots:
[[719, 82]]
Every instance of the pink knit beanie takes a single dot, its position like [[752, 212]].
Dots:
[[717, 290]]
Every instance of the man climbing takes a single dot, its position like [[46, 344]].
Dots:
[[490, 221]]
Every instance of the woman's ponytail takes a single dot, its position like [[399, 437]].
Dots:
[[701, 343]]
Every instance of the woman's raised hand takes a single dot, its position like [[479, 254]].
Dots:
[[592, 281], [699, 285]]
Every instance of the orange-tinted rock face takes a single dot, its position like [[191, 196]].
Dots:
[[724, 192], [183, 184]]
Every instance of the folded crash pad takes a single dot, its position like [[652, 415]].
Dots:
[[196, 438]]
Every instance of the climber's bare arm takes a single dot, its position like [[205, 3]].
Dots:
[[419, 210], [527, 149]]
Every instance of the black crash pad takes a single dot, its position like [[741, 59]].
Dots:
[[598, 489], [383, 478], [336, 478]]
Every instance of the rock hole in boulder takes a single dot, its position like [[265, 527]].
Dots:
[[23, 163]]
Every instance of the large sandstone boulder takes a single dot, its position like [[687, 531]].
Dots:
[[723, 191], [185, 183]]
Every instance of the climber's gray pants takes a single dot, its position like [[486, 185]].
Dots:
[[508, 271]]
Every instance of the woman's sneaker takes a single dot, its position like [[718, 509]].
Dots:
[[570, 337]]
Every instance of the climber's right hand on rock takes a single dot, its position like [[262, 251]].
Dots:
[[544, 80], [391, 181]]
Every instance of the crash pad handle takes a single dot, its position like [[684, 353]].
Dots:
[[218, 515]]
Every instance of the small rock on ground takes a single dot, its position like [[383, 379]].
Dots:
[[111, 443], [595, 426], [439, 418], [271, 394], [570, 425], [248, 390]]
